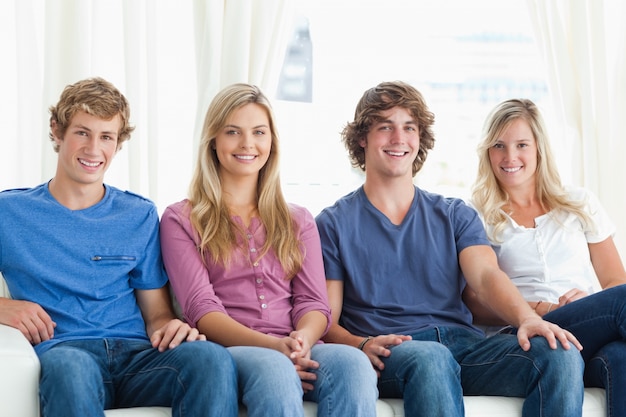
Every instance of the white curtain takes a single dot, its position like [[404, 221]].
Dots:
[[168, 57], [584, 46]]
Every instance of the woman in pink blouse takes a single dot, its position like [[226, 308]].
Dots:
[[247, 270]]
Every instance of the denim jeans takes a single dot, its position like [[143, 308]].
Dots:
[[84, 377], [433, 371], [270, 386], [599, 323]]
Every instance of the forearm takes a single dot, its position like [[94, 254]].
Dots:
[[156, 308], [312, 326], [505, 301], [338, 334], [221, 328]]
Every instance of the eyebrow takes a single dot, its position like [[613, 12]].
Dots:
[[408, 122], [106, 132], [253, 127]]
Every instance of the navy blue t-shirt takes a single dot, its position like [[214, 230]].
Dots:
[[399, 278]]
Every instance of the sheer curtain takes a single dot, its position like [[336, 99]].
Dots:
[[168, 57], [584, 46]]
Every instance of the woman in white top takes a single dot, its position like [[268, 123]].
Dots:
[[555, 243]]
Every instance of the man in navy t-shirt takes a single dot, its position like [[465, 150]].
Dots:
[[397, 260]]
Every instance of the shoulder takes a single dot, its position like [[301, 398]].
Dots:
[[579, 194], [441, 202], [343, 205], [299, 212], [129, 202], [21, 195], [180, 208]]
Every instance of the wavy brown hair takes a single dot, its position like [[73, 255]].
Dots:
[[376, 100]]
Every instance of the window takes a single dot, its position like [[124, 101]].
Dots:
[[465, 57]]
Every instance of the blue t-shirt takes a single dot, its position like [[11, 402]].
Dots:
[[399, 278], [81, 266]]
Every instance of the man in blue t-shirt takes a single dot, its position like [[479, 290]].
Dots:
[[397, 260], [83, 264]]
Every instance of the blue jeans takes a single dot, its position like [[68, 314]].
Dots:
[[84, 377], [270, 386], [599, 323], [433, 371]]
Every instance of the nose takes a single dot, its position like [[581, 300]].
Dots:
[[396, 136], [246, 141], [510, 153], [91, 146]]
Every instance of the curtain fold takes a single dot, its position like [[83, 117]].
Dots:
[[584, 43], [239, 41], [168, 57]]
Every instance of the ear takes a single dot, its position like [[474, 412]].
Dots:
[[363, 143], [54, 128]]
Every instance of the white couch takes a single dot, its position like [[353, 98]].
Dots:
[[19, 380]]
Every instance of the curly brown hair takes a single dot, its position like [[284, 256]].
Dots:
[[376, 100]]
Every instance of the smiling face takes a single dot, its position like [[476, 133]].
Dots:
[[243, 145], [513, 156], [392, 144], [86, 149]]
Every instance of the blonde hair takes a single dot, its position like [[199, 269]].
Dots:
[[94, 96], [487, 195], [210, 216]]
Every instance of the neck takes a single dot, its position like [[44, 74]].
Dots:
[[392, 198], [241, 199], [74, 196]]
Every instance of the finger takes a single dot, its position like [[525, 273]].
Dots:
[[306, 387], [523, 340], [567, 338], [193, 334], [307, 376], [305, 363]]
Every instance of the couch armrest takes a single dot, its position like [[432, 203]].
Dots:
[[19, 375]]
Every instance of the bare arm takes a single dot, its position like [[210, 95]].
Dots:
[[607, 263], [494, 290], [485, 316], [163, 328], [29, 318]]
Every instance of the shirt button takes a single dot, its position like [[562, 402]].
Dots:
[[253, 250], [249, 236], [255, 264], [262, 297], [263, 305], [259, 280]]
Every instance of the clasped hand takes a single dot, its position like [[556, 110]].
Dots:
[[297, 348]]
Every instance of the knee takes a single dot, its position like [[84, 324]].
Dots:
[[67, 363], [567, 363], [205, 358], [71, 374], [427, 358], [342, 363]]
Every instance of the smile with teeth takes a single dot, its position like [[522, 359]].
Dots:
[[245, 157], [89, 164], [511, 170], [395, 153]]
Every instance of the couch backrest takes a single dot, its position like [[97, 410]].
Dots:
[[4, 291]]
